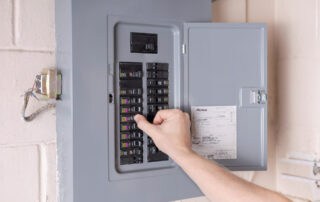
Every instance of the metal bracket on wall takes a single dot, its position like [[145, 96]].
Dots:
[[46, 87], [48, 83]]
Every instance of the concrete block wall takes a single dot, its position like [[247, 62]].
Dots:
[[298, 61], [27, 150]]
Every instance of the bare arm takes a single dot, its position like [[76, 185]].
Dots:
[[171, 133]]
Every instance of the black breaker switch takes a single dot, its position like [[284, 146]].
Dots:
[[157, 99], [134, 95], [131, 138]]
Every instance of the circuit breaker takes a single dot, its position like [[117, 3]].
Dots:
[[138, 93], [121, 58]]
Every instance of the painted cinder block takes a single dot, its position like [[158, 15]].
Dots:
[[298, 105], [19, 174], [36, 28], [5, 23], [299, 187], [229, 11], [52, 172], [296, 28], [299, 168]]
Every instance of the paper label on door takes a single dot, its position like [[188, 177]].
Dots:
[[214, 131]]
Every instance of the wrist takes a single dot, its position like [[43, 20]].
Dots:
[[181, 153]]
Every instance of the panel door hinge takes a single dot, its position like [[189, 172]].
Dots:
[[258, 97]]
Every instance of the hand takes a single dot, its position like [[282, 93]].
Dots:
[[170, 131]]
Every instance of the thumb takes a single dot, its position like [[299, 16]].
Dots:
[[144, 125]]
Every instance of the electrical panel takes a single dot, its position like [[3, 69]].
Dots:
[[121, 58], [143, 83]]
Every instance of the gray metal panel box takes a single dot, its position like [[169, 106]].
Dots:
[[208, 64]]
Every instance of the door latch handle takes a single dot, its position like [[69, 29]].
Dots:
[[258, 97]]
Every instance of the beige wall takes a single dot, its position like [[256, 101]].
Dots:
[[298, 69], [27, 44]]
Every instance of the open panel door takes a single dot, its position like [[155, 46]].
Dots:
[[226, 72]]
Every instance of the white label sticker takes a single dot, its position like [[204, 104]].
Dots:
[[214, 131]]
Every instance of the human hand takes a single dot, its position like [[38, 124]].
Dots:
[[170, 131]]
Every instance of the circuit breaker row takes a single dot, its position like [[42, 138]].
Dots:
[[157, 99], [131, 102]]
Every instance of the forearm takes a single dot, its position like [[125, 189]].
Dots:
[[171, 133], [220, 185]]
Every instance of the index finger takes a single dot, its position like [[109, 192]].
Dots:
[[165, 114]]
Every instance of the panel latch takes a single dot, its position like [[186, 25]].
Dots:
[[258, 97]]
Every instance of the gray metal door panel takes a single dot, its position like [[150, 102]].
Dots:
[[223, 62]]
